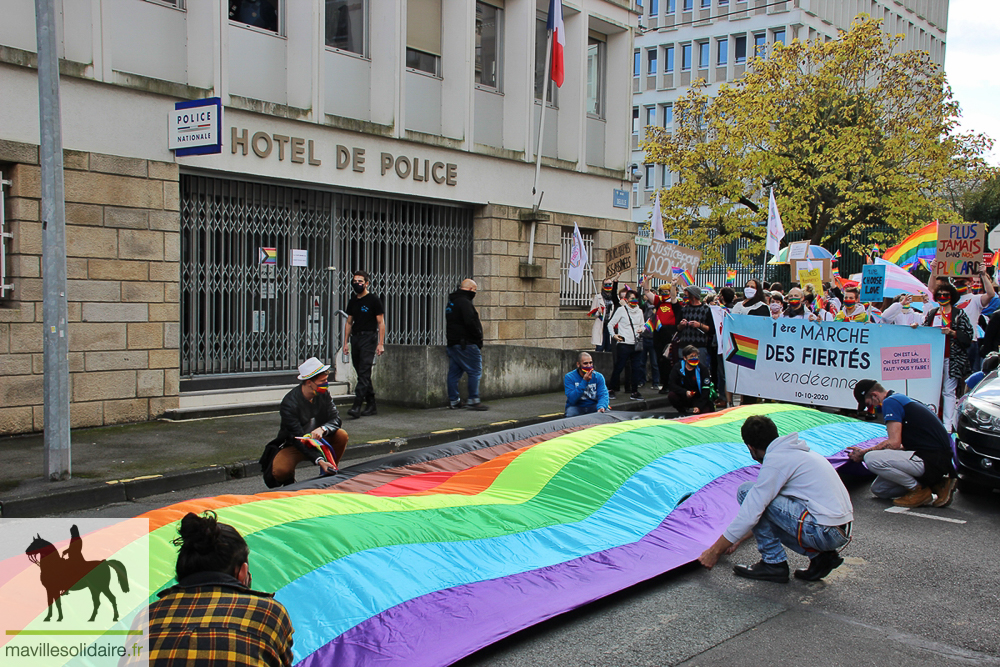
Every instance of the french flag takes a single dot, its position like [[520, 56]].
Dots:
[[558, 30]]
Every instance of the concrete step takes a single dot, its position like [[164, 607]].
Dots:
[[241, 401]]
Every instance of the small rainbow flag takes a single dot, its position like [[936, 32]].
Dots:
[[684, 275], [268, 255], [920, 245], [744, 351], [995, 260], [711, 286], [876, 250], [836, 255], [730, 277]]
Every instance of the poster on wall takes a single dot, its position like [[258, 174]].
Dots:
[[818, 363]]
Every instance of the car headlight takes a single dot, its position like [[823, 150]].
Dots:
[[985, 416]]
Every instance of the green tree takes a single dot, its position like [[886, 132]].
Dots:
[[858, 139]]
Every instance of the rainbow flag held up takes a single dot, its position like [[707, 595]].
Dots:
[[836, 255], [920, 245], [711, 286], [744, 351], [730, 277], [876, 250], [684, 275]]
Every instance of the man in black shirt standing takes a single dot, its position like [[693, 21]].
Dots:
[[464, 333], [365, 331]]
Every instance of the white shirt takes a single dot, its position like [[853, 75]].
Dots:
[[622, 317], [895, 314]]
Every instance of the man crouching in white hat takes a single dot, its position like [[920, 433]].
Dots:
[[306, 411]]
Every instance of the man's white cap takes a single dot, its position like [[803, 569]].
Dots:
[[312, 367]]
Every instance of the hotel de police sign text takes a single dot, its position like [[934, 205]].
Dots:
[[303, 151]]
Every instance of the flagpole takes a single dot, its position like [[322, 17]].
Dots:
[[547, 79]]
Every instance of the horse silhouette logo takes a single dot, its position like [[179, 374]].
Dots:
[[62, 573]]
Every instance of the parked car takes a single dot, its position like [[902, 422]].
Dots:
[[978, 437]]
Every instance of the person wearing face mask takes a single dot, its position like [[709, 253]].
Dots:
[[365, 331], [957, 330], [697, 324], [976, 305], [777, 304], [798, 501], [902, 312], [602, 307], [753, 302], [796, 308], [306, 411], [853, 310], [816, 311], [464, 333], [689, 386], [628, 321]]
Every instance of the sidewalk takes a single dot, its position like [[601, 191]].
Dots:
[[118, 463]]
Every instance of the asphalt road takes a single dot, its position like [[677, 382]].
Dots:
[[913, 591]]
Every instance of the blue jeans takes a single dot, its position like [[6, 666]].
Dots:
[[780, 525], [628, 360], [466, 359], [577, 410]]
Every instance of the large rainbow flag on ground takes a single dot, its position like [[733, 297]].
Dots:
[[424, 557], [920, 245]]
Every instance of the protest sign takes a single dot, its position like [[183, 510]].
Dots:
[[960, 250], [718, 319], [824, 265], [798, 250], [663, 257], [812, 277], [619, 259], [818, 363], [872, 283]]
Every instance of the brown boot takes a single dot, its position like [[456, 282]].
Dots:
[[945, 492], [918, 496]]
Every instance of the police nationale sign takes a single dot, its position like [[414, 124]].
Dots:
[[195, 127]]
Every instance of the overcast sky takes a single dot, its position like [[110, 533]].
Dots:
[[972, 63]]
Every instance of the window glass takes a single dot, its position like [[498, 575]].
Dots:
[[669, 65], [740, 49], [688, 5], [345, 25], [543, 78], [423, 35], [779, 36], [668, 115], [686, 57], [703, 55], [760, 45], [636, 65], [654, 7], [666, 180], [651, 55], [650, 169], [489, 28], [650, 115], [706, 3], [671, 6], [723, 52], [261, 14], [635, 120], [425, 62], [595, 77]]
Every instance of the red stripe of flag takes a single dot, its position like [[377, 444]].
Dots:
[[558, 30]]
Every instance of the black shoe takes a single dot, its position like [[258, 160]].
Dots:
[[355, 410], [664, 391], [635, 396], [776, 572], [823, 564], [370, 409], [611, 395], [456, 406], [478, 407]]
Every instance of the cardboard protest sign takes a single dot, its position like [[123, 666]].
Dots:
[[663, 257], [798, 250], [872, 283], [960, 250], [619, 259], [825, 266], [812, 277]]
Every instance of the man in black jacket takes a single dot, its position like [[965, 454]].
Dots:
[[465, 343], [306, 411]]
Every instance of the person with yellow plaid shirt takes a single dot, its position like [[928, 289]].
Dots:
[[213, 616]]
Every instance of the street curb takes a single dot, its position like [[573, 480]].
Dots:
[[98, 494]]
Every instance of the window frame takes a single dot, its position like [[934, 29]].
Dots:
[[688, 6], [704, 55], [760, 44], [668, 60], [637, 63], [649, 176], [650, 115], [737, 60], [652, 58], [180, 5], [722, 52], [498, 56], [687, 56], [541, 21], [668, 112], [635, 120], [278, 32], [774, 36], [602, 55], [576, 296], [671, 7]]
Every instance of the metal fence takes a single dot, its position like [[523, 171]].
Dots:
[[251, 305], [573, 294], [6, 288]]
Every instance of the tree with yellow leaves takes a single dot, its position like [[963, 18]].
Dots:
[[855, 136]]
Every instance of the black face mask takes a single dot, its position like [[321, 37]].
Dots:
[[358, 289]]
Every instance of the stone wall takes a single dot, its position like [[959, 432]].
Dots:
[[123, 271], [518, 310]]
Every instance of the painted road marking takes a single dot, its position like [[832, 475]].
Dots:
[[901, 510]]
